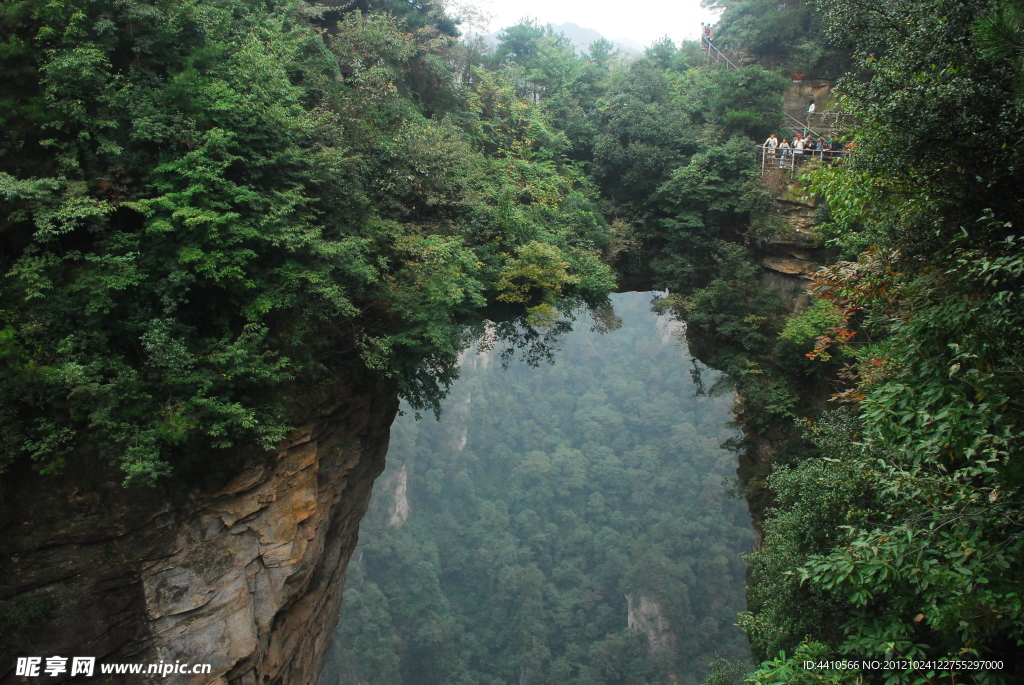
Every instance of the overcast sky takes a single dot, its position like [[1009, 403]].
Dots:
[[642, 21]]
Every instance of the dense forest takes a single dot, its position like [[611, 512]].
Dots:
[[502, 542], [209, 207], [899, 533]]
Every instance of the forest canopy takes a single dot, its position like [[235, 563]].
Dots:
[[208, 206], [510, 541]]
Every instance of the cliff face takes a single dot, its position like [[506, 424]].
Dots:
[[789, 256], [247, 577], [646, 615]]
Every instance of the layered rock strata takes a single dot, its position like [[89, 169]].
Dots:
[[246, 577]]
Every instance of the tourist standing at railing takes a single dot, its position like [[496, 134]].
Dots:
[[705, 30], [820, 147], [798, 150], [770, 145], [784, 151]]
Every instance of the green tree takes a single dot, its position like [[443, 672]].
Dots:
[[921, 554], [206, 206]]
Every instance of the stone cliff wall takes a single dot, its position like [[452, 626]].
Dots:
[[646, 615], [793, 252], [799, 95], [247, 577], [789, 257], [789, 254]]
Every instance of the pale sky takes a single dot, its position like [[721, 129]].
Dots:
[[642, 21]]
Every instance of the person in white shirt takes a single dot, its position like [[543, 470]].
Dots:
[[784, 149], [769, 146]]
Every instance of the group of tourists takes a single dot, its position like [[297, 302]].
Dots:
[[791, 153]]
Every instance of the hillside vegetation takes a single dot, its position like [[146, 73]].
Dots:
[[208, 208], [903, 536], [542, 499]]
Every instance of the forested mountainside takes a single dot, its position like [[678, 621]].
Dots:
[[563, 524], [211, 210], [900, 533], [209, 206]]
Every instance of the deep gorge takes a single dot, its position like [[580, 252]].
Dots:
[[559, 523]]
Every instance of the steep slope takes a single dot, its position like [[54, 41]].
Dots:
[[246, 577]]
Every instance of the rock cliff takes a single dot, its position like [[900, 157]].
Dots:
[[646, 615], [246, 577]]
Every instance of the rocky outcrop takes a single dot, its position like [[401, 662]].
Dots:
[[645, 615], [799, 95], [790, 255], [792, 251], [398, 486], [791, 265], [246, 577]]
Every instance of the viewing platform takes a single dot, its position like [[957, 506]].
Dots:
[[789, 160]]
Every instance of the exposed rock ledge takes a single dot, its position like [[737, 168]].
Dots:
[[645, 615], [791, 266], [247, 578]]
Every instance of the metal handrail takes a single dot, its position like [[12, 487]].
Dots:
[[807, 129], [821, 117], [773, 158], [836, 118], [719, 55]]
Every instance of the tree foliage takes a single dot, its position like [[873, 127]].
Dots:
[[788, 35], [208, 206], [919, 556]]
